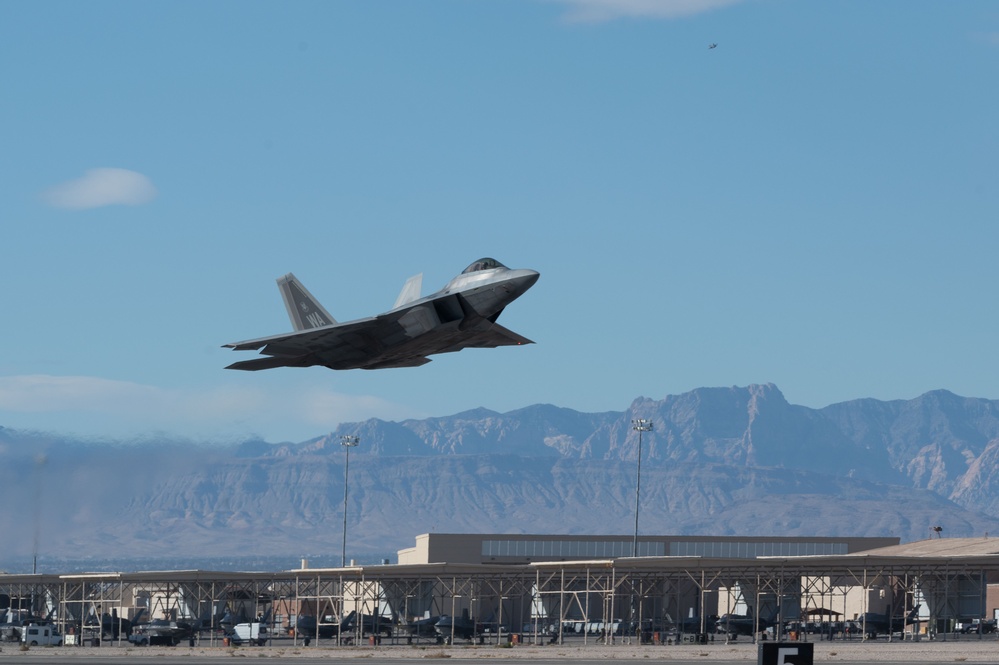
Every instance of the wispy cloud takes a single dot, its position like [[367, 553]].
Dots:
[[598, 11], [102, 187], [101, 407]]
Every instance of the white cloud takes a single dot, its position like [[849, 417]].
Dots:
[[597, 11], [40, 393], [101, 407], [102, 187]]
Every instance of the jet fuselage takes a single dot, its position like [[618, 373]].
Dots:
[[461, 315]]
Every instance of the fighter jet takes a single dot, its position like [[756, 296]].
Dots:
[[461, 627], [741, 624], [873, 623], [711, 46], [162, 632], [306, 626], [425, 626], [110, 624], [462, 315]]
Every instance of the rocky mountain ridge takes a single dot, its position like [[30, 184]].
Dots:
[[718, 461]]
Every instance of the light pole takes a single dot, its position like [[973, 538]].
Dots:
[[348, 441], [639, 425], [40, 461]]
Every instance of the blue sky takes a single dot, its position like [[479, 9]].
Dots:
[[813, 203]]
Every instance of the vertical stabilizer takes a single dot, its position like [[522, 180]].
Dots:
[[410, 291], [304, 311]]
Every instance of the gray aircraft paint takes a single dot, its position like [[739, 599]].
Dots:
[[462, 315]]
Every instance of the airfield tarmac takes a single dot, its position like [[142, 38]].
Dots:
[[856, 653]]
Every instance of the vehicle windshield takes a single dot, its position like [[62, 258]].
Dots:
[[483, 264]]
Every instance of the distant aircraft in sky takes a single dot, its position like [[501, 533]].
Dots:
[[711, 46], [462, 315]]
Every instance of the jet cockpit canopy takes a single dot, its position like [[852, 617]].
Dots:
[[483, 264]]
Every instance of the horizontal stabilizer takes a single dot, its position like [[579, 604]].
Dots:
[[304, 310], [270, 363], [405, 362], [251, 345]]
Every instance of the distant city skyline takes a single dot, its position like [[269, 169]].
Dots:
[[809, 203]]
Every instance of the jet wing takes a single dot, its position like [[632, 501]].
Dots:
[[497, 335], [402, 338], [347, 343], [493, 336], [403, 362]]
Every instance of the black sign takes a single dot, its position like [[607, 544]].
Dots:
[[785, 653]]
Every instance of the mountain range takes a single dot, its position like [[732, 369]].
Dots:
[[721, 461]]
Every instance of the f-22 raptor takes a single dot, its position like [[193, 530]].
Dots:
[[462, 315]]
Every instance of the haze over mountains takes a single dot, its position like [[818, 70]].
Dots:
[[719, 461]]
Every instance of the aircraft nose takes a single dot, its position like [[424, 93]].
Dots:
[[524, 279]]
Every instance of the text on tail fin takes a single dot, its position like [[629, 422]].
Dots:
[[304, 310]]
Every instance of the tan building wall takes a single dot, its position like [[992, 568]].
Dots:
[[992, 597], [444, 548]]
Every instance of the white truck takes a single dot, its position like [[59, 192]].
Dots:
[[250, 633], [41, 634]]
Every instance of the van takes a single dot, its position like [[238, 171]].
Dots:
[[46, 634], [249, 633]]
